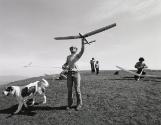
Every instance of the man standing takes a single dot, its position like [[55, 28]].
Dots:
[[92, 61], [97, 67], [73, 76]]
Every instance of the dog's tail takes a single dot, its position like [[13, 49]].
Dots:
[[45, 83]]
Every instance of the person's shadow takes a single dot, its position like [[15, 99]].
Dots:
[[124, 78], [30, 111]]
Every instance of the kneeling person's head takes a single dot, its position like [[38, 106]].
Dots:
[[141, 59]]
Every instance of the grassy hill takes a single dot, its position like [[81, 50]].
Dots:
[[10, 78], [108, 100]]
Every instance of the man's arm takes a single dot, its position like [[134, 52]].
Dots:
[[136, 65], [145, 66], [78, 56], [82, 50]]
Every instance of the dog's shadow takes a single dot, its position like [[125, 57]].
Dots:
[[13, 108], [30, 111]]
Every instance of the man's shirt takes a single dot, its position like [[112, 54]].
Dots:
[[71, 62], [140, 65], [96, 65]]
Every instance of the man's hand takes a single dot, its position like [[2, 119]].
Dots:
[[83, 41]]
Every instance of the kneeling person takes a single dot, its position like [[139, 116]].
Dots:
[[140, 66]]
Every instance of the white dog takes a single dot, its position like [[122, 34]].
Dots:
[[23, 93]]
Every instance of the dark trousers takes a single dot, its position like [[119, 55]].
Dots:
[[92, 67], [97, 71], [138, 72]]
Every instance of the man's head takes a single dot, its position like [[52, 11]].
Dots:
[[73, 49], [141, 59]]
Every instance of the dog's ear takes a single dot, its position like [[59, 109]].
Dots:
[[12, 90], [9, 89]]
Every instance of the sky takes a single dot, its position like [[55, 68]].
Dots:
[[27, 29]]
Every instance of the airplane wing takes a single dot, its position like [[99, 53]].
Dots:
[[128, 71], [67, 37], [131, 72], [152, 76], [99, 30], [87, 34]]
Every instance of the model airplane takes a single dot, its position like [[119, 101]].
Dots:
[[28, 65], [134, 73], [80, 36]]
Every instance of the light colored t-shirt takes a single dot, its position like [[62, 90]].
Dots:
[[96, 65], [71, 61], [92, 61], [140, 65]]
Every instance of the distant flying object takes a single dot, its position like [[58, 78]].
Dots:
[[139, 75], [28, 65], [38, 66], [80, 36]]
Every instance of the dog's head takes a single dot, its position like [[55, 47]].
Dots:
[[9, 90]]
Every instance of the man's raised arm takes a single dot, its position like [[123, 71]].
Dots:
[[82, 50]]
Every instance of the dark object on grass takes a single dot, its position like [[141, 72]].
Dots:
[[116, 73]]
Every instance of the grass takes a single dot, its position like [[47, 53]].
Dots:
[[108, 100]]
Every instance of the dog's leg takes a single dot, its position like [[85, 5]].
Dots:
[[19, 107], [25, 104], [33, 102]]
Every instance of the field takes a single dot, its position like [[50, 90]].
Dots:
[[108, 100]]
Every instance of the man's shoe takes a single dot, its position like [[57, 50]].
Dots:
[[68, 107], [78, 107]]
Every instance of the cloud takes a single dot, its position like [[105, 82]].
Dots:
[[146, 9], [136, 9]]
